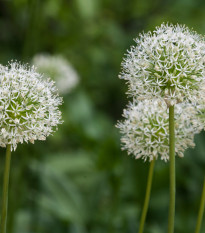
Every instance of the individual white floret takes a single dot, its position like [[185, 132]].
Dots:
[[145, 130], [29, 105], [57, 68], [168, 64]]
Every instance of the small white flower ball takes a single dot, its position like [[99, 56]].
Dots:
[[58, 69], [29, 105]]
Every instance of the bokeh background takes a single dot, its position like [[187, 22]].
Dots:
[[79, 180]]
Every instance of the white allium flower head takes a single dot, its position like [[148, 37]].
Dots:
[[57, 68], [28, 105], [168, 63], [145, 130]]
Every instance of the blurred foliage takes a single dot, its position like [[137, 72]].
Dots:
[[79, 181]]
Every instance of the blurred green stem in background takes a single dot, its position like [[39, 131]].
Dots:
[[5, 190], [201, 210], [31, 37], [171, 170], [147, 196]]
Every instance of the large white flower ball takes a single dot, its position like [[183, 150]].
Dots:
[[29, 105], [168, 63]]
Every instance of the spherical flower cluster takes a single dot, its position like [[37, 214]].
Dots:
[[168, 64], [58, 69], [145, 130], [28, 105]]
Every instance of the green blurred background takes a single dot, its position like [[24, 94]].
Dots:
[[79, 180]]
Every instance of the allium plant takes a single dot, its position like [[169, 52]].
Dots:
[[167, 64], [145, 134], [57, 68], [29, 111]]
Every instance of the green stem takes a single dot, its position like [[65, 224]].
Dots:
[[5, 190], [201, 210], [147, 197], [32, 34], [172, 170]]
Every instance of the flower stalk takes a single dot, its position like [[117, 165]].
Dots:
[[5, 190], [172, 170], [147, 196], [201, 210]]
